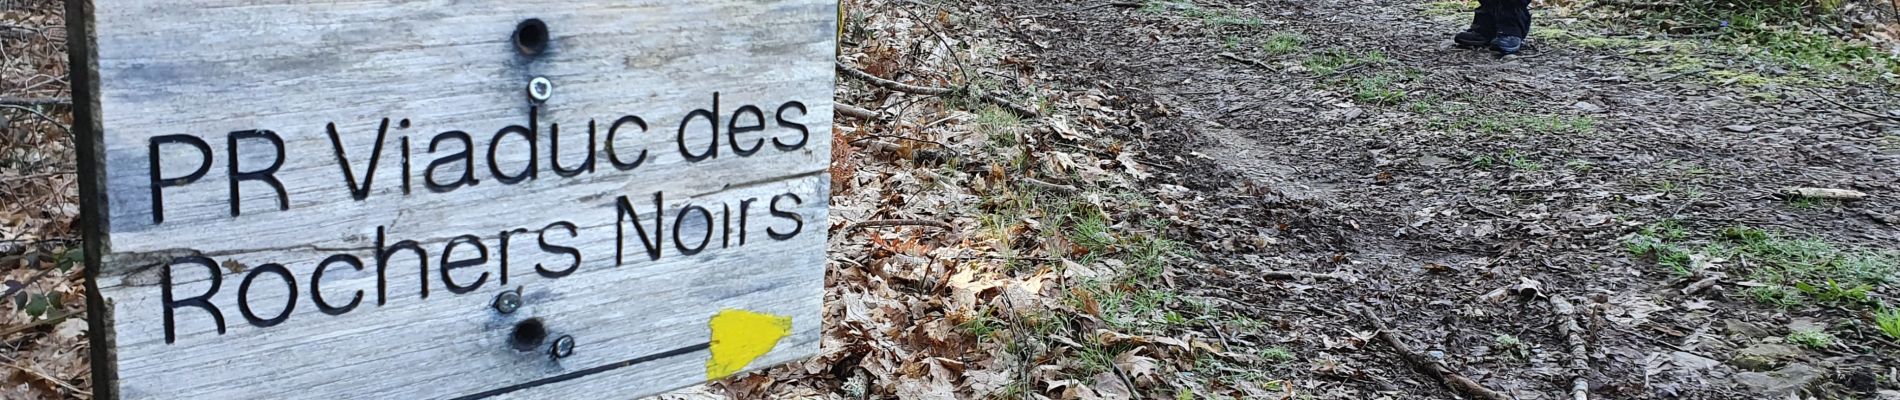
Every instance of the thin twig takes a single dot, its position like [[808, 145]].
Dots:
[[1850, 108], [898, 222], [62, 126], [36, 101], [1053, 187], [932, 91], [1244, 60], [1538, 190], [23, 285], [49, 378], [1427, 365], [1298, 275], [9, 331], [35, 176], [1701, 285], [856, 112], [1579, 355], [890, 84]]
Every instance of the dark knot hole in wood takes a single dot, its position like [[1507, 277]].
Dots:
[[531, 37], [528, 335]]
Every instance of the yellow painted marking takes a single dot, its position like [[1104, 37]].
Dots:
[[740, 336]]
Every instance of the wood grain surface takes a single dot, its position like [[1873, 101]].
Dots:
[[413, 84]]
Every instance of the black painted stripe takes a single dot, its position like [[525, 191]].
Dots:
[[590, 371]]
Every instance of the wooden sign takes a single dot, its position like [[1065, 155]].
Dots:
[[450, 200]]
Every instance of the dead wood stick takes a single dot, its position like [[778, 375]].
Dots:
[[1850, 108], [1579, 355], [49, 378], [1272, 274], [931, 91], [1244, 60], [1701, 285], [1824, 193], [1053, 187], [855, 111], [1538, 190], [890, 84], [1427, 365], [8, 333], [36, 101], [62, 126], [898, 222]]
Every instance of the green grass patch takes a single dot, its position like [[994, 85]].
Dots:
[[999, 125], [1451, 7], [1283, 43], [1334, 60], [1811, 338], [1378, 89], [1888, 320], [1277, 355], [1786, 271], [1511, 345]]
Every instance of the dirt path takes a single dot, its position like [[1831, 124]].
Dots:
[[1434, 175]]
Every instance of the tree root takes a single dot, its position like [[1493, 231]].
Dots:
[[1579, 355], [898, 222], [932, 91], [1427, 365], [1298, 275], [856, 112]]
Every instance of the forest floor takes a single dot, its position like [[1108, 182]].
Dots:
[[1260, 199], [1455, 191]]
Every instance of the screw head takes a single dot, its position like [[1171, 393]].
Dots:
[[562, 347], [540, 89], [507, 302]]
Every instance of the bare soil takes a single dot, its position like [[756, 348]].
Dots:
[[1429, 216]]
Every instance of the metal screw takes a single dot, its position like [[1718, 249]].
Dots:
[[563, 347], [540, 89], [507, 302]]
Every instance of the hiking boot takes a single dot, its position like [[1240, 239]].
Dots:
[[1471, 39], [1507, 45]]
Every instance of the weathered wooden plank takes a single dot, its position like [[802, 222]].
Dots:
[[475, 190]]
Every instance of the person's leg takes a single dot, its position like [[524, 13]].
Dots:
[[1513, 19], [1483, 26], [1481, 21]]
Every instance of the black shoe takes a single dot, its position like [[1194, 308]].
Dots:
[[1471, 39], [1507, 45]]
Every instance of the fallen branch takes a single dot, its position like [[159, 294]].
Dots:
[[62, 126], [1824, 193], [1244, 60], [890, 84], [931, 91], [36, 101], [898, 222], [1427, 365], [9, 331], [49, 378], [1851, 108], [1270, 274], [1579, 355], [1539, 189], [1053, 187], [1642, 4], [855, 112], [1701, 285]]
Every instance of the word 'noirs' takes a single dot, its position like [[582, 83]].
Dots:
[[465, 264]]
